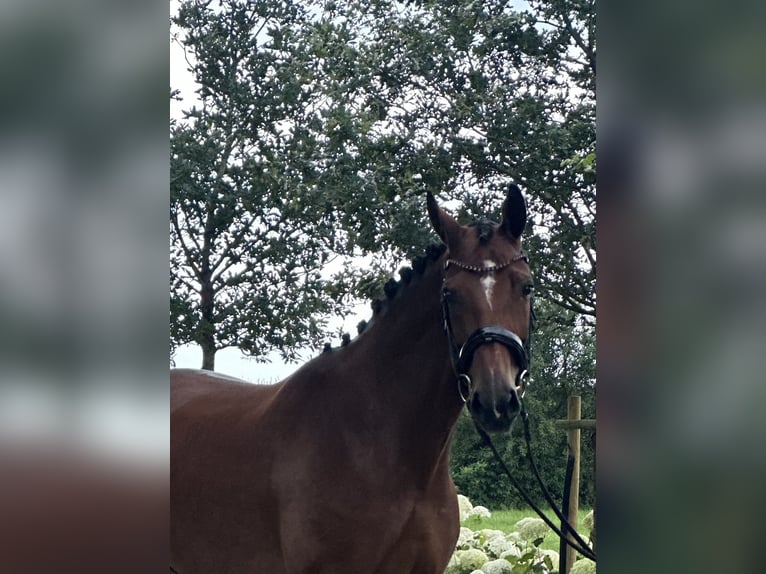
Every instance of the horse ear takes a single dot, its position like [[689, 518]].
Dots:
[[443, 223], [514, 212]]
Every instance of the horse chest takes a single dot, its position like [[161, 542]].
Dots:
[[425, 543], [374, 527]]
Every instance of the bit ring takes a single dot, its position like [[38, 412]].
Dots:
[[464, 387]]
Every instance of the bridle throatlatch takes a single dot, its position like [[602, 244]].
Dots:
[[462, 357]]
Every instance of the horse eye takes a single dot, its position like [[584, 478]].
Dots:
[[528, 289]]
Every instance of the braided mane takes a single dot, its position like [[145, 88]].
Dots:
[[417, 266]]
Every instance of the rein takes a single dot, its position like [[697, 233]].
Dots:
[[580, 545], [461, 361]]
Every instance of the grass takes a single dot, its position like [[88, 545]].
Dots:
[[506, 519]]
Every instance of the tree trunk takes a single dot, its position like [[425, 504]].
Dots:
[[207, 327], [208, 358]]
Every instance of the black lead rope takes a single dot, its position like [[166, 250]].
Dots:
[[580, 545], [565, 504]]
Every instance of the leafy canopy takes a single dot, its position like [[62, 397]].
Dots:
[[320, 126]]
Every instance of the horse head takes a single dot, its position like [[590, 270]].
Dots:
[[487, 304]]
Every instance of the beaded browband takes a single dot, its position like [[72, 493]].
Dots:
[[489, 268]]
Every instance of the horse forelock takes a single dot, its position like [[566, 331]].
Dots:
[[485, 229]]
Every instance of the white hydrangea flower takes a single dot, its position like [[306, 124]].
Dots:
[[471, 559], [476, 572], [464, 505], [489, 533], [496, 546], [531, 528], [453, 566], [583, 566], [465, 539], [480, 512], [543, 552], [514, 537], [497, 567], [514, 550]]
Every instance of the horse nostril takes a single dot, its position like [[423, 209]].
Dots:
[[502, 403]]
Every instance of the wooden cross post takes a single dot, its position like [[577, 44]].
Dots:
[[573, 439]]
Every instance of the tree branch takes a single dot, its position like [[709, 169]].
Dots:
[[575, 35], [184, 247]]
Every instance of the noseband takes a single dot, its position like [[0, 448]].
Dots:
[[462, 357]]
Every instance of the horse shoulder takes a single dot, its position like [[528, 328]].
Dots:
[[220, 482]]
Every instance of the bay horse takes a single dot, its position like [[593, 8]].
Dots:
[[342, 468]]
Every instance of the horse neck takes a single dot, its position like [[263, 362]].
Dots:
[[406, 361]]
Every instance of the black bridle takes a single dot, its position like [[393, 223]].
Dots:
[[462, 356]]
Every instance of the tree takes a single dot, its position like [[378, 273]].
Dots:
[[459, 98], [322, 127], [249, 231]]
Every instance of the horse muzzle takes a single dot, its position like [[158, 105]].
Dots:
[[494, 405], [493, 399]]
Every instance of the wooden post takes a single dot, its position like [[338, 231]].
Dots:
[[573, 433]]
